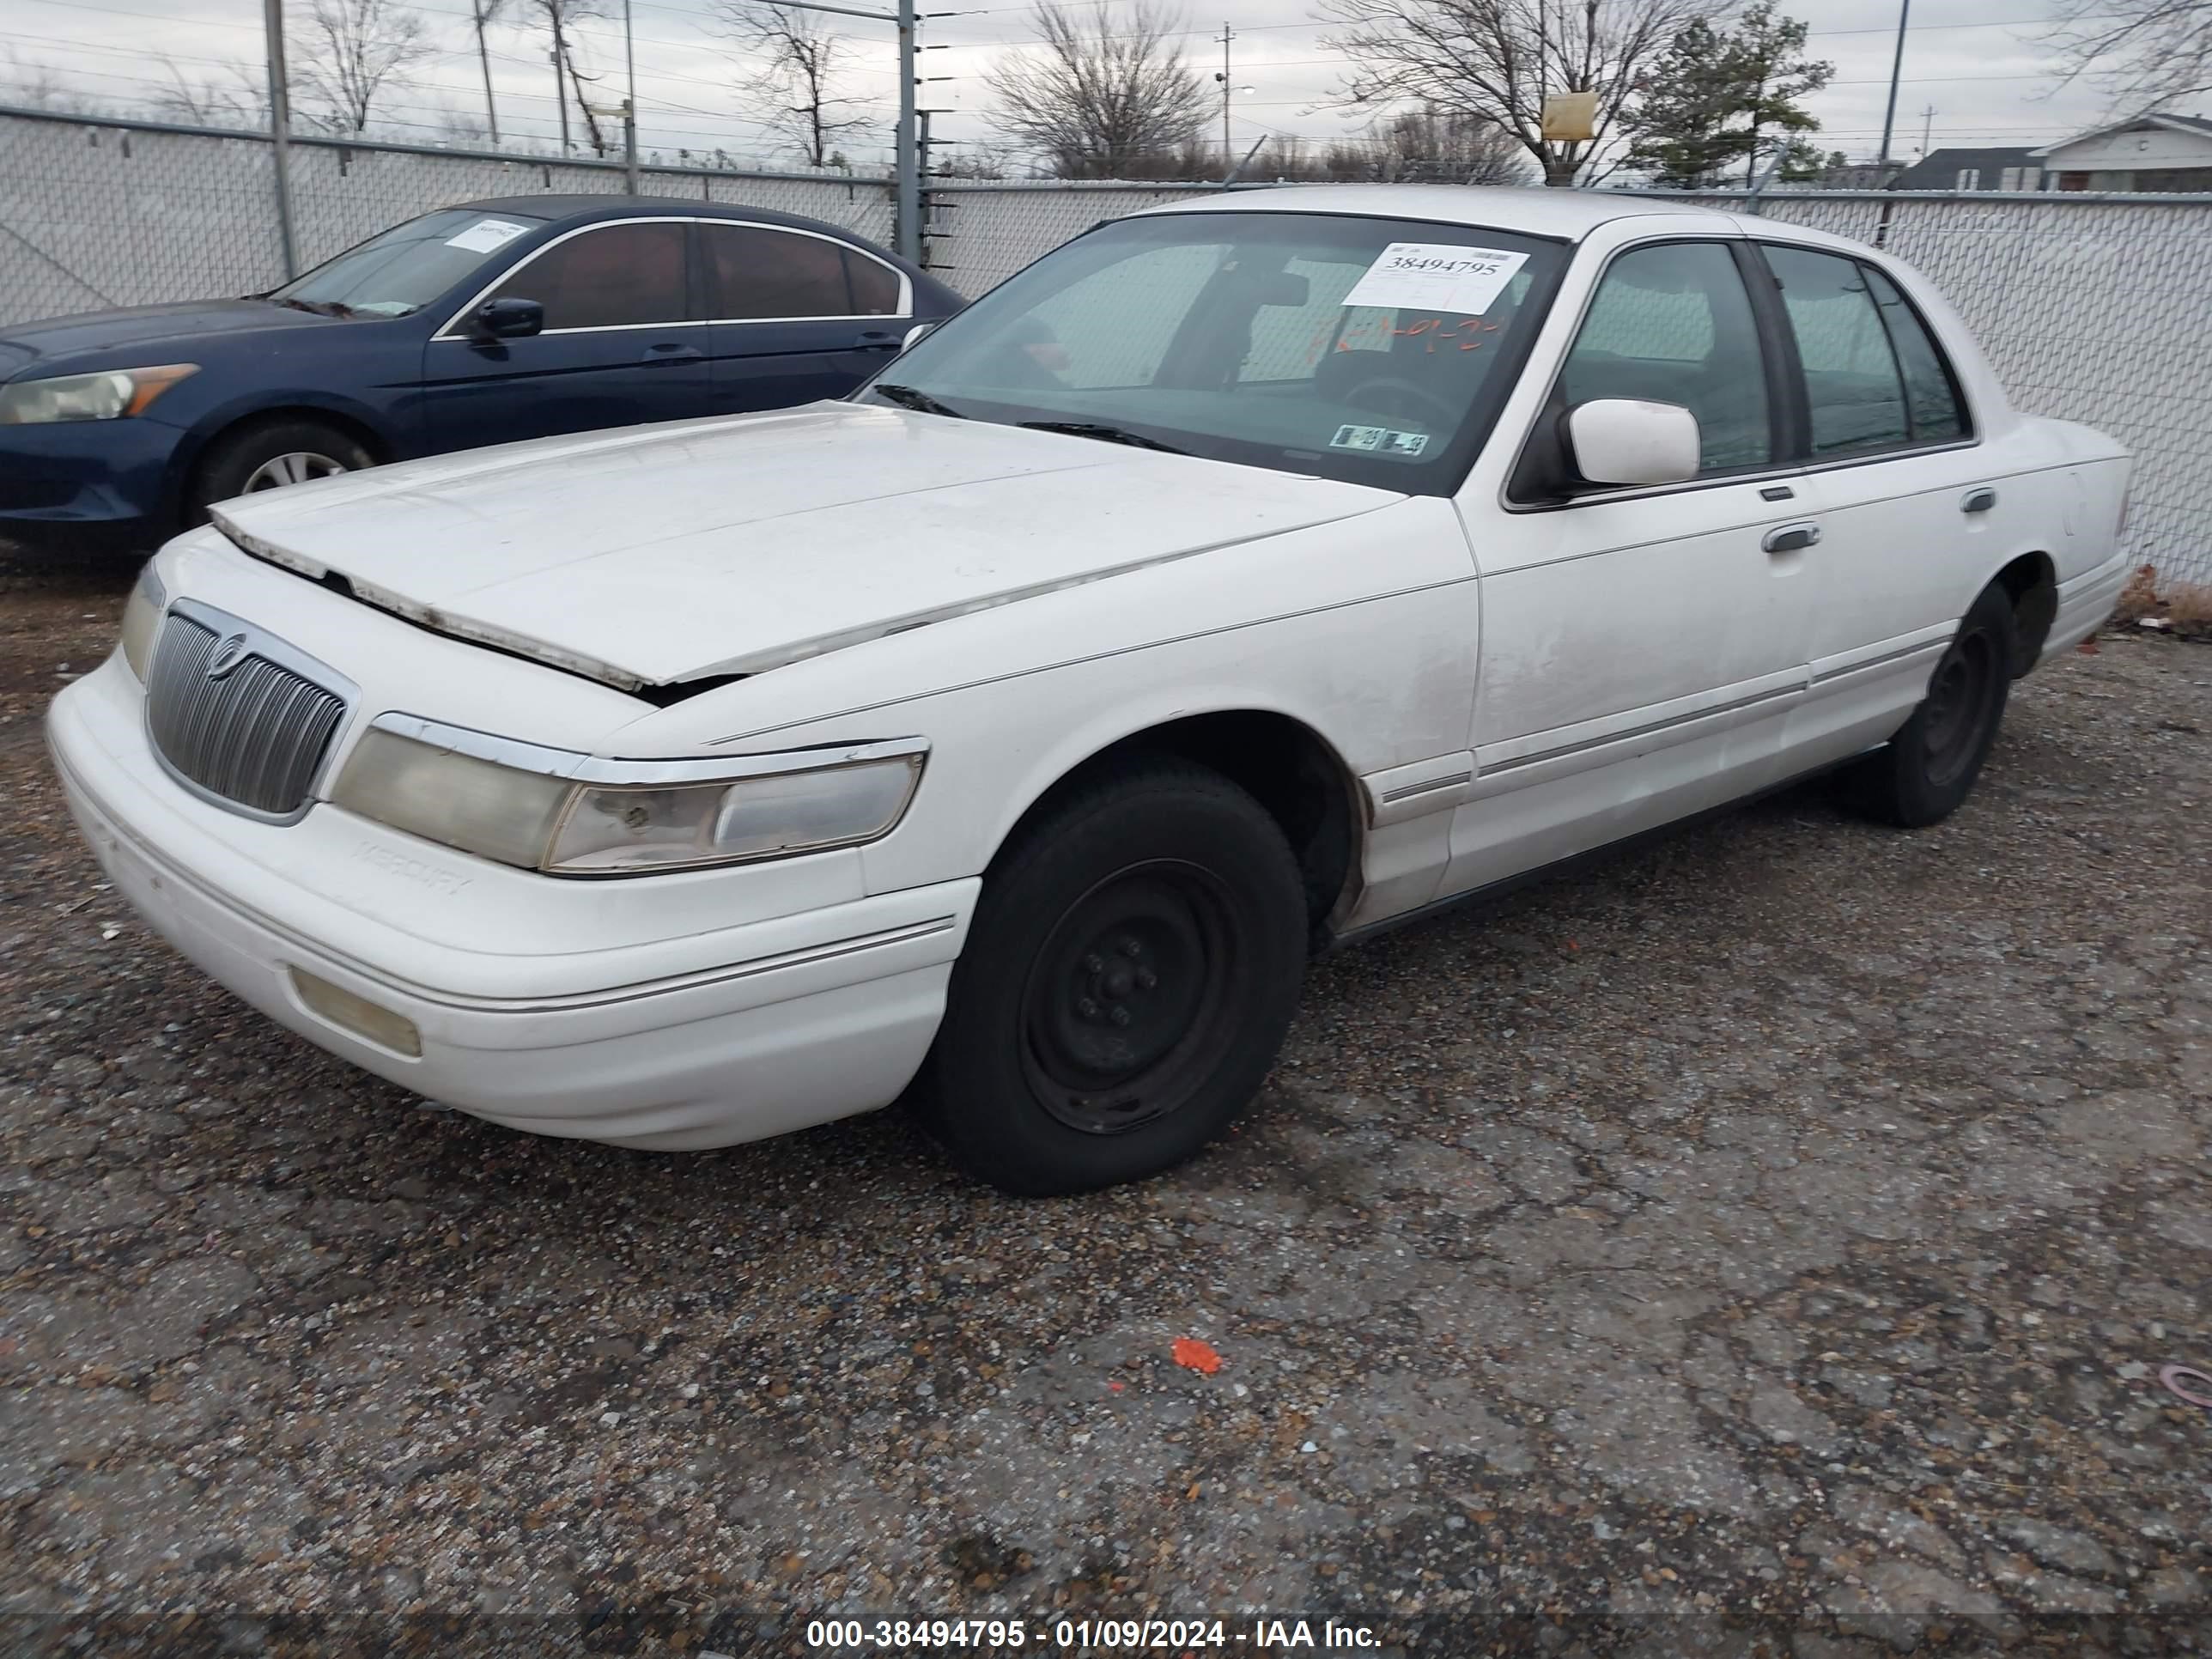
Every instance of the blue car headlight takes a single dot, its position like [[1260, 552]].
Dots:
[[109, 395]]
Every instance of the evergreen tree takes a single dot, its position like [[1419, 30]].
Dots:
[[1723, 98]]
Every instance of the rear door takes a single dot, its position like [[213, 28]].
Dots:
[[622, 344], [1896, 484], [797, 316], [1641, 647]]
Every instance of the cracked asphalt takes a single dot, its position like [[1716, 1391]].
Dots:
[[1767, 1244]]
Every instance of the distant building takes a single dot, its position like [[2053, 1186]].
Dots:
[[2150, 152], [1974, 169]]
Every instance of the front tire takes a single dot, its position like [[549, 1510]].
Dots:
[[1132, 966], [268, 455], [1923, 773]]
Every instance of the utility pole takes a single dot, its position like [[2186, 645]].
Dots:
[[1927, 123], [630, 104], [1896, 68], [560, 86], [907, 161], [484, 59], [280, 131], [1228, 154]]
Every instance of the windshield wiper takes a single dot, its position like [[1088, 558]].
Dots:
[[1111, 434], [317, 307], [920, 401]]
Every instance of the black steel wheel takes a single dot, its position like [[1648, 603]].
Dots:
[[1923, 773], [1131, 967]]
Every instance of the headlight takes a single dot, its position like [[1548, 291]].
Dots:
[[574, 815], [142, 620], [105, 396]]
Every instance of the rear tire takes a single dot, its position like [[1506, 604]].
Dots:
[[1132, 966], [269, 455], [1923, 773]]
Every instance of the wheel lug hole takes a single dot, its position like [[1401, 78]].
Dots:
[[1131, 946], [1120, 1016], [1094, 964], [1087, 1008], [1147, 979]]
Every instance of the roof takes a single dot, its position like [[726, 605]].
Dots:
[[1568, 213], [579, 206], [2201, 125], [1940, 168]]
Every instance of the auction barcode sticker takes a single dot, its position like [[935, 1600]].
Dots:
[[1436, 277], [486, 234]]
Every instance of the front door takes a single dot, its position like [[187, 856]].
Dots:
[[1641, 648], [797, 316], [621, 345]]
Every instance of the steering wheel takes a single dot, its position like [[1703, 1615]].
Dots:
[[1401, 399]]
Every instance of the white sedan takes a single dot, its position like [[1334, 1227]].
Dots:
[[1241, 577]]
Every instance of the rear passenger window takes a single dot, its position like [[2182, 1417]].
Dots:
[[1932, 406], [1852, 385], [1673, 324], [757, 274]]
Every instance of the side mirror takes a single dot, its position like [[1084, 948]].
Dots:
[[1626, 441], [508, 319], [914, 336]]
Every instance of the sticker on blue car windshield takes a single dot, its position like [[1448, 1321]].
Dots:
[[487, 234], [1381, 440]]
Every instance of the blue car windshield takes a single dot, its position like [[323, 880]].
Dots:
[[1368, 350], [408, 266]]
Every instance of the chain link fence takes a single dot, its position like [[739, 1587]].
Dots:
[[2092, 309]]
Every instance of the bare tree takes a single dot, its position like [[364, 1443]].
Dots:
[[38, 86], [2143, 54], [560, 18], [1498, 60], [235, 95], [482, 14], [348, 53], [1107, 101], [793, 66]]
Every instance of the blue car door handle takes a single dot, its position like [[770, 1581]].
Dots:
[[672, 353]]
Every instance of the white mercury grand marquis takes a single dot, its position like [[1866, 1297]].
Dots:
[[1242, 575]]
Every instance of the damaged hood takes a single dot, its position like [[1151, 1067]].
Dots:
[[652, 555]]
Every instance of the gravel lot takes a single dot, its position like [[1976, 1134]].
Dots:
[[1767, 1244]]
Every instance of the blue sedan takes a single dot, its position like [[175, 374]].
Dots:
[[518, 317]]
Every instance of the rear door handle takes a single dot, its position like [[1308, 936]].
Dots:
[[1790, 537], [1977, 501], [879, 339], [672, 353]]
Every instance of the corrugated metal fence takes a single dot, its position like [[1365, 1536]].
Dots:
[[2095, 309]]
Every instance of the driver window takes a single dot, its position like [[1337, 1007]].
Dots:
[[1673, 324]]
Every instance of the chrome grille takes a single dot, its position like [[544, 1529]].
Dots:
[[253, 735]]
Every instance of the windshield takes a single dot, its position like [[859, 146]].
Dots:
[[408, 266], [1369, 351]]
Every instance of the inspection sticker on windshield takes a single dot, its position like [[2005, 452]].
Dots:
[[486, 234], [1436, 277], [1381, 440]]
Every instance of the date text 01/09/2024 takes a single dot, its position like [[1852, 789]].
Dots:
[[1261, 1635]]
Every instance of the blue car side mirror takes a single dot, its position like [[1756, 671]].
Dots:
[[508, 319]]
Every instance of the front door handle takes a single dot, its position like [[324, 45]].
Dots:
[[672, 353], [1790, 537], [1979, 500]]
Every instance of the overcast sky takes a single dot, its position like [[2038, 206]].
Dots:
[[1977, 63]]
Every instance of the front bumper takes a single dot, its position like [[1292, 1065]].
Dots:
[[809, 1017], [87, 485]]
